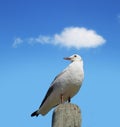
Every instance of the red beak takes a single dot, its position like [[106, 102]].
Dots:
[[67, 58]]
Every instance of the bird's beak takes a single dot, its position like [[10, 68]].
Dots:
[[67, 58]]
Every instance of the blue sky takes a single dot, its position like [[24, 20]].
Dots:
[[35, 36]]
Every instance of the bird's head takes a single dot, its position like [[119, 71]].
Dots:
[[74, 57]]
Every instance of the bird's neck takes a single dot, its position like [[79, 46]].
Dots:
[[77, 64]]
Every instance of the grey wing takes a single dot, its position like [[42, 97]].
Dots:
[[58, 76], [50, 90], [47, 94]]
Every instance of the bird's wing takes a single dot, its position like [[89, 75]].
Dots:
[[50, 90], [58, 76], [47, 94]]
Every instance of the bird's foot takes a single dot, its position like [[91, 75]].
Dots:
[[69, 99]]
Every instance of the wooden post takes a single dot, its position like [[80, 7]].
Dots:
[[66, 115]]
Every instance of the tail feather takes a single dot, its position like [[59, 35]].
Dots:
[[34, 114]]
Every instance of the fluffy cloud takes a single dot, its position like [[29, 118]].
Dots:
[[76, 37]]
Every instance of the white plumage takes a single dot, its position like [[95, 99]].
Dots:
[[64, 86]]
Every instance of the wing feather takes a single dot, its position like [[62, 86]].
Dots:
[[47, 94], [50, 90]]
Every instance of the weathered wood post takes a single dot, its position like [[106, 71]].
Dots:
[[67, 115]]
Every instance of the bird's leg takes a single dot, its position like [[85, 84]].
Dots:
[[69, 99], [61, 98]]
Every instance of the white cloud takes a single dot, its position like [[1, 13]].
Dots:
[[76, 37], [40, 39], [17, 42]]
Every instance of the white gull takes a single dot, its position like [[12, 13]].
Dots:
[[64, 86]]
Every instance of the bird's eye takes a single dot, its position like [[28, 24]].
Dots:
[[75, 55]]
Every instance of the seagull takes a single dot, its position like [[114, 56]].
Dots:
[[64, 86]]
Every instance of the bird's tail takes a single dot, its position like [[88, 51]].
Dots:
[[35, 113]]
